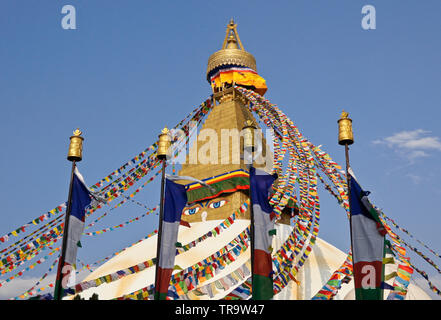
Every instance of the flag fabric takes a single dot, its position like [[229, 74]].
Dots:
[[81, 198], [368, 245], [260, 185], [239, 75], [175, 199]]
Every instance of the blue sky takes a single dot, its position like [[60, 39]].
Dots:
[[132, 67]]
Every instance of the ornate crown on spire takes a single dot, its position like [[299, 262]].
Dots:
[[232, 52]]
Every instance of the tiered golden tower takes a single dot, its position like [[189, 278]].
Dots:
[[229, 114]]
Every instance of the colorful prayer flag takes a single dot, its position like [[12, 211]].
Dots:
[[175, 199], [260, 184], [368, 244], [80, 200]]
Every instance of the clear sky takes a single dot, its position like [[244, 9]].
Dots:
[[132, 67]]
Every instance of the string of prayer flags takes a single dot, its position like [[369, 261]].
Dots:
[[241, 292], [29, 291], [32, 266], [33, 245], [13, 264], [121, 225], [418, 252], [36, 221], [333, 285], [409, 234], [214, 288], [80, 287]]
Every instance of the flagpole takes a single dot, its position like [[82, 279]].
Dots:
[[248, 141], [162, 154], [348, 176], [74, 155], [346, 138]]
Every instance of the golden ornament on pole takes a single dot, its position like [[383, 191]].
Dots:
[[248, 135], [345, 135], [164, 144], [75, 152]]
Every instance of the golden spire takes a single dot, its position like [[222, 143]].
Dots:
[[232, 52]]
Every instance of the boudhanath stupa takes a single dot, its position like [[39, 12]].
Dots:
[[218, 221]]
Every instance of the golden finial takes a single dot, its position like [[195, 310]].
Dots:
[[344, 115], [232, 52], [164, 144], [75, 152], [249, 123], [345, 134], [231, 42]]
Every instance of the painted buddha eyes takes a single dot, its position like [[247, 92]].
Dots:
[[212, 205], [191, 211], [217, 204]]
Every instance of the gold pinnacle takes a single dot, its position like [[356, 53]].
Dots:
[[344, 115]]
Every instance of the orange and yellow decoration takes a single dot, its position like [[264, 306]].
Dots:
[[242, 76]]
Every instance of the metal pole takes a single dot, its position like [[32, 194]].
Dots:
[[252, 235], [348, 177], [252, 246], [249, 141], [161, 218], [348, 181], [346, 137], [58, 284]]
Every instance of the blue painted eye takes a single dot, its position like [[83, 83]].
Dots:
[[191, 211], [217, 204]]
